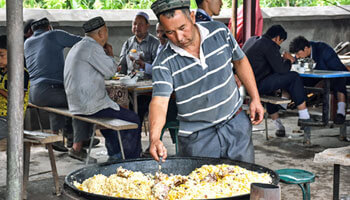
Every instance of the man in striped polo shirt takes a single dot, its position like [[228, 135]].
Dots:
[[197, 65]]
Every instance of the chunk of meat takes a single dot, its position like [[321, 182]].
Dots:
[[121, 172], [160, 191], [210, 178]]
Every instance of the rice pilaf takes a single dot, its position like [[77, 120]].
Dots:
[[206, 182]]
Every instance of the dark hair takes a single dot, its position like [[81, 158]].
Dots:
[[42, 23], [170, 13], [199, 2], [276, 30], [298, 43], [27, 25], [3, 42]]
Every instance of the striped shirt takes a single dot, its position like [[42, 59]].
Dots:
[[206, 91]]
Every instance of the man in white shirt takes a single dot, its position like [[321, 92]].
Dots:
[[87, 66]]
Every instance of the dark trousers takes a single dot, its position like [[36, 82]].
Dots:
[[290, 81], [143, 102], [131, 138], [337, 84], [53, 95]]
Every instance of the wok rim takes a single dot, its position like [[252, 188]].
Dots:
[[87, 195]]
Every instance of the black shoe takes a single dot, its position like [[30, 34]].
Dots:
[[86, 143], [339, 119], [58, 146], [307, 122], [280, 133], [81, 155], [69, 143]]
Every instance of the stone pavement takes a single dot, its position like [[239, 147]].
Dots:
[[277, 153]]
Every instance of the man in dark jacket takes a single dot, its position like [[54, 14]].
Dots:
[[272, 72], [326, 59]]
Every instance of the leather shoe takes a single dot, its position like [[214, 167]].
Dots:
[[86, 143], [280, 133], [58, 146], [339, 119], [80, 155]]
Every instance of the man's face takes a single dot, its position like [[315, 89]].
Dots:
[[160, 34], [303, 53], [214, 6], [140, 27], [3, 58], [179, 29], [104, 34]]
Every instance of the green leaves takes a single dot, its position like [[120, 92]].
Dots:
[[146, 4]]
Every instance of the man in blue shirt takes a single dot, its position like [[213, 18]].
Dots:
[[197, 65], [44, 57], [326, 59]]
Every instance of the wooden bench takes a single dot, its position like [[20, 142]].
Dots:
[[99, 123], [272, 100], [35, 137]]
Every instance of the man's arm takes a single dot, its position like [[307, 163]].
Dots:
[[157, 117], [246, 75], [66, 39], [122, 66]]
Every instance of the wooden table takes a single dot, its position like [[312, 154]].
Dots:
[[336, 157], [142, 86]]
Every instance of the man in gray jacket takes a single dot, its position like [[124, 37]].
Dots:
[[87, 65]]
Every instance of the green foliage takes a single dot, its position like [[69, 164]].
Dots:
[[146, 4]]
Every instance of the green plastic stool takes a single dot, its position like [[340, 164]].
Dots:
[[298, 176], [175, 126]]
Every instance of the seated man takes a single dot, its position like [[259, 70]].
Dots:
[[272, 72], [143, 42], [146, 44], [207, 8], [44, 58], [326, 59], [4, 87], [88, 63]]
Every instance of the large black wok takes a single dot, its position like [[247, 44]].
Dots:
[[174, 165]]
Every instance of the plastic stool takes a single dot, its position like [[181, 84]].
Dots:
[[172, 125], [298, 176]]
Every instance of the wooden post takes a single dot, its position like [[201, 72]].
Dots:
[[234, 18], [248, 19], [262, 191]]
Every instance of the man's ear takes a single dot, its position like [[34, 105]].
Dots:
[[193, 17]]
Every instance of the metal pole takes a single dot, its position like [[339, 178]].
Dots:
[[14, 22]]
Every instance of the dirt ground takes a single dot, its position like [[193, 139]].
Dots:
[[276, 153]]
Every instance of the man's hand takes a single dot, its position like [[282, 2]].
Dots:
[[256, 112], [140, 63], [238, 81], [108, 49], [288, 56], [158, 149]]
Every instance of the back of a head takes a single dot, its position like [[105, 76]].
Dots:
[[298, 43], [42, 23], [3, 42], [276, 30], [27, 25], [199, 2]]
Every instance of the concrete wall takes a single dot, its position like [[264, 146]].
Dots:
[[329, 24]]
